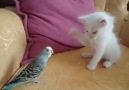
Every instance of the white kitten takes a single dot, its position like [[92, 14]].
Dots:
[[99, 35]]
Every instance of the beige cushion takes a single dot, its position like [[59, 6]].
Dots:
[[12, 44], [67, 71], [124, 35], [118, 8], [100, 5]]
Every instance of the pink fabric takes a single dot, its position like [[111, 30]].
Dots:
[[47, 23]]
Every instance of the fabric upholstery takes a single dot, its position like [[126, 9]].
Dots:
[[124, 35], [118, 8], [67, 71], [47, 23], [11, 56], [12, 44]]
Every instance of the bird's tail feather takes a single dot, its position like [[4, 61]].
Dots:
[[10, 86]]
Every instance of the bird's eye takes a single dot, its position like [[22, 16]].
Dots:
[[47, 50], [94, 32]]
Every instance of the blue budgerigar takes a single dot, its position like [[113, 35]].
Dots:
[[32, 71]]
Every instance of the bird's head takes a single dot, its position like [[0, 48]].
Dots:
[[47, 51]]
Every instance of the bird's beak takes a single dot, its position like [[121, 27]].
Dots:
[[52, 51]]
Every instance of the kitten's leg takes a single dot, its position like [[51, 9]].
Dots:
[[87, 55], [112, 57], [96, 57], [107, 64]]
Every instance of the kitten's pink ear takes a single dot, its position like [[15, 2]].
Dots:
[[102, 22], [82, 19]]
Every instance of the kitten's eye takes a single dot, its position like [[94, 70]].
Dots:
[[94, 32]]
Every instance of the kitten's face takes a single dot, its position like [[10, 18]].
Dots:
[[93, 24], [93, 27]]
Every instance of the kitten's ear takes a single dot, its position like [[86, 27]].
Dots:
[[102, 22], [82, 19]]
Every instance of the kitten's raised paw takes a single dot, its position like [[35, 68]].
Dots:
[[74, 32], [107, 64], [87, 55], [91, 67]]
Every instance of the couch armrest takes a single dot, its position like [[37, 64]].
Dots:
[[100, 5], [124, 35], [12, 44], [118, 8]]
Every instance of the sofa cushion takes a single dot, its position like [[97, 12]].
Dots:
[[47, 23], [67, 71], [118, 8], [100, 5], [12, 44]]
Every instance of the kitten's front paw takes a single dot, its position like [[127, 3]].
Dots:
[[107, 64], [91, 66], [74, 32], [87, 55]]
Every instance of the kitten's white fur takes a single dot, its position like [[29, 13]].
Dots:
[[100, 36]]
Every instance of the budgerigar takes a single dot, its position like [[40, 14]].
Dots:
[[33, 70]]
